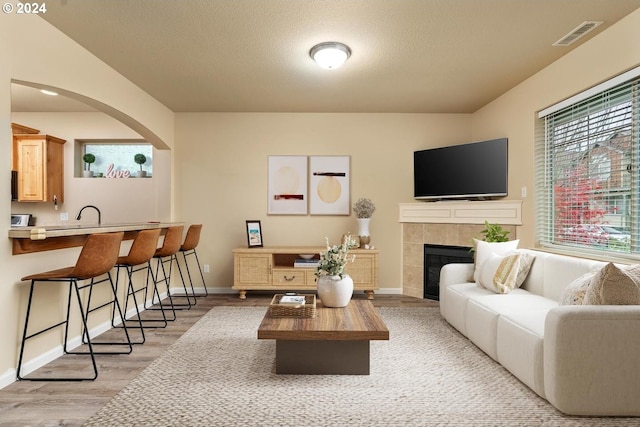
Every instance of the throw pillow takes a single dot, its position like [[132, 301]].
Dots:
[[575, 291], [499, 273], [612, 285], [526, 260], [484, 249]]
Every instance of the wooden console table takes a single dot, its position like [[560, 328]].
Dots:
[[272, 269]]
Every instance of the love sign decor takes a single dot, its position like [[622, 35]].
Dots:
[[116, 174]]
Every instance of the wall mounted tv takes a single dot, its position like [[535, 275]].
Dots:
[[477, 170]]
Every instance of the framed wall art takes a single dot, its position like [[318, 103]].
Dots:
[[287, 192], [254, 234], [329, 185]]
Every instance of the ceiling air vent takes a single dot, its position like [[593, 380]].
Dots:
[[577, 32]]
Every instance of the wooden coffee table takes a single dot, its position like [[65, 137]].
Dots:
[[336, 341]]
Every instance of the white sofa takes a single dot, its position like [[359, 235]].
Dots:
[[583, 359]]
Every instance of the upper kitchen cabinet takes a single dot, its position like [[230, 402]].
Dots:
[[39, 161]]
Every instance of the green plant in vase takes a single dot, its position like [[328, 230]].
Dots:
[[88, 159], [140, 159]]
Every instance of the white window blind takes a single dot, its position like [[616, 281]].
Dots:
[[587, 173]]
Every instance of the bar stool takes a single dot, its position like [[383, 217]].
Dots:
[[166, 255], [189, 248], [139, 259], [97, 257]]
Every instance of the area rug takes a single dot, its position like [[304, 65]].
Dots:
[[219, 374]]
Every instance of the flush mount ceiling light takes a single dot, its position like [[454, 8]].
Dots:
[[330, 55], [48, 92]]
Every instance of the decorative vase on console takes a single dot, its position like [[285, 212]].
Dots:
[[364, 208], [335, 288]]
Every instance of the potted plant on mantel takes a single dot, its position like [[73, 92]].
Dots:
[[335, 288], [364, 208], [140, 159], [88, 159], [492, 233]]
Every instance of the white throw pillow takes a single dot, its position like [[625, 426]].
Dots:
[[484, 249], [499, 273], [575, 291], [526, 260], [614, 286]]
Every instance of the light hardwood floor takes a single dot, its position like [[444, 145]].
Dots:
[[26, 403]]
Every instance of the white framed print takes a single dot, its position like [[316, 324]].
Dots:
[[329, 185], [287, 182]]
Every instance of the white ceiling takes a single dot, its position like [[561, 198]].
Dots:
[[422, 56]]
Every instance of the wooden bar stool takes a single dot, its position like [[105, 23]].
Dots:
[[97, 257], [189, 248], [139, 259]]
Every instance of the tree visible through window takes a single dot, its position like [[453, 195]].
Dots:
[[588, 172]]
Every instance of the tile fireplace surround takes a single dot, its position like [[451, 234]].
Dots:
[[447, 223]]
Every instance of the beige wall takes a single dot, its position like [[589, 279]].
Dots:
[[221, 176], [515, 113], [48, 58]]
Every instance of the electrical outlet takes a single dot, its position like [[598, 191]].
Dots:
[[64, 216], [206, 268], [523, 191]]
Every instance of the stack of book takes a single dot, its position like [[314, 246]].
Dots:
[[292, 299], [306, 263]]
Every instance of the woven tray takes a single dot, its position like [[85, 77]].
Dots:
[[289, 310]]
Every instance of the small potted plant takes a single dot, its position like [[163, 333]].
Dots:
[[364, 208], [141, 160], [88, 159]]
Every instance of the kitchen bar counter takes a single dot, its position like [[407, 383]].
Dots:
[[45, 238]]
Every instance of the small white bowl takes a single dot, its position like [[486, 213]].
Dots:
[[306, 256]]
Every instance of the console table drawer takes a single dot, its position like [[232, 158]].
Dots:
[[289, 277]]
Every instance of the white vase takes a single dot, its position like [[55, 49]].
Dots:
[[87, 174], [363, 226], [363, 232], [334, 291]]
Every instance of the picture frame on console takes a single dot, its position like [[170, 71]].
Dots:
[[254, 234]]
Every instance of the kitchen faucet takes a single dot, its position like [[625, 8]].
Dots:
[[90, 206]]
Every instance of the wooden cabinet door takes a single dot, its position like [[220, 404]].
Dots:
[[39, 160], [31, 170], [363, 271], [252, 269]]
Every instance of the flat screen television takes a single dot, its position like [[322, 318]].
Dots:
[[477, 170]]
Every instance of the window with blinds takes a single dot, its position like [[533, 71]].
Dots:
[[587, 173]]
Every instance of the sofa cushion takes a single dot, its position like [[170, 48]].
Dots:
[[484, 249], [483, 312], [561, 270], [520, 346], [454, 307], [575, 291], [614, 285]]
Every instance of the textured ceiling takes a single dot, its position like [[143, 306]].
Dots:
[[423, 56]]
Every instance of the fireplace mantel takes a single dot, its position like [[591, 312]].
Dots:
[[508, 212]]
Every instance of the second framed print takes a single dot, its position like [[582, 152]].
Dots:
[[329, 185], [287, 185]]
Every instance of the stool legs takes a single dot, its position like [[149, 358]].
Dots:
[[73, 284], [156, 293], [115, 306], [132, 292], [186, 263]]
